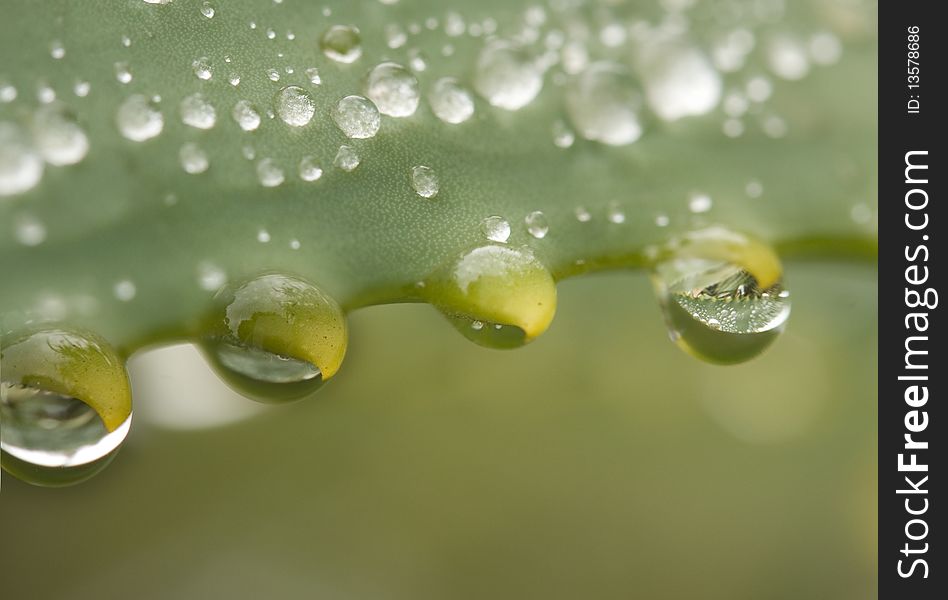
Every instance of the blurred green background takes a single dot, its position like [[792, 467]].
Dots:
[[599, 462]]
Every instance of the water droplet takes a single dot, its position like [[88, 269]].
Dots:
[[29, 230], [273, 75], [825, 48], [454, 24], [393, 89], [7, 92], [193, 159], [58, 137], [537, 225], [233, 79], [202, 68], [395, 36], [450, 101], [699, 203], [295, 106], [563, 136], [679, 81], [715, 307], [81, 89], [56, 50], [357, 117], [246, 115], [615, 214], [197, 112], [787, 57], [602, 104], [312, 73], [506, 76], [424, 181], [122, 72], [759, 89], [347, 158], [269, 173], [21, 167], [754, 189], [124, 290], [210, 276], [496, 296], [309, 170], [207, 9], [45, 94], [126, 41], [65, 406], [582, 214], [278, 338], [341, 43], [139, 119], [263, 236], [496, 229]]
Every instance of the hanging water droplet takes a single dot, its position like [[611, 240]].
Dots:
[[496, 229], [342, 43], [506, 76], [139, 119], [357, 117], [715, 307], [269, 173], [198, 112], [450, 101], [309, 170], [495, 296], [425, 182], [276, 337], [347, 158], [65, 405], [602, 104], [246, 115], [202, 68], [21, 167], [393, 89], [58, 137], [193, 159], [295, 106], [537, 225]]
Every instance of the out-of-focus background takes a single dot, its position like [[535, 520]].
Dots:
[[599, 462]]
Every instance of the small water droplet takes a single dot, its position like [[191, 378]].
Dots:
[[56, 50], [537, 224], [347, 158], [393, 89], [309, 170], [202, 68], [233, 79], [65, 406], [279, 338], [825, 48], [759, 89], [615, 214], [395, 36], [210, 276], [295, 106], [582, 214], [193, 159], [563, 136], [81, 89], [454, 24], [506, 76], [357, 117], [125, 290], [342, 44], [21, 167], [312, 73], [450, 101], [754, 189], [496, 229], [787, 57], [246, 115], [699, 203], [29, 230], [273, 75], [8, 93], [139, 119], [122, 72], [207, 9], [263, 236], [197, 112], [602, 104], [269, 173], [714, 307], [58, 137], [679, 81], [424, 180]]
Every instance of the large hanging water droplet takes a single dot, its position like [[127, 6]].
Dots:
[[295, 106], [58, 136], [450, 101], [139, 119], [603, 105], [722, 295], [65, 405], [495, 296], [276, 337], [393, 89], [342, 43], [357, 117], [506, 76]]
